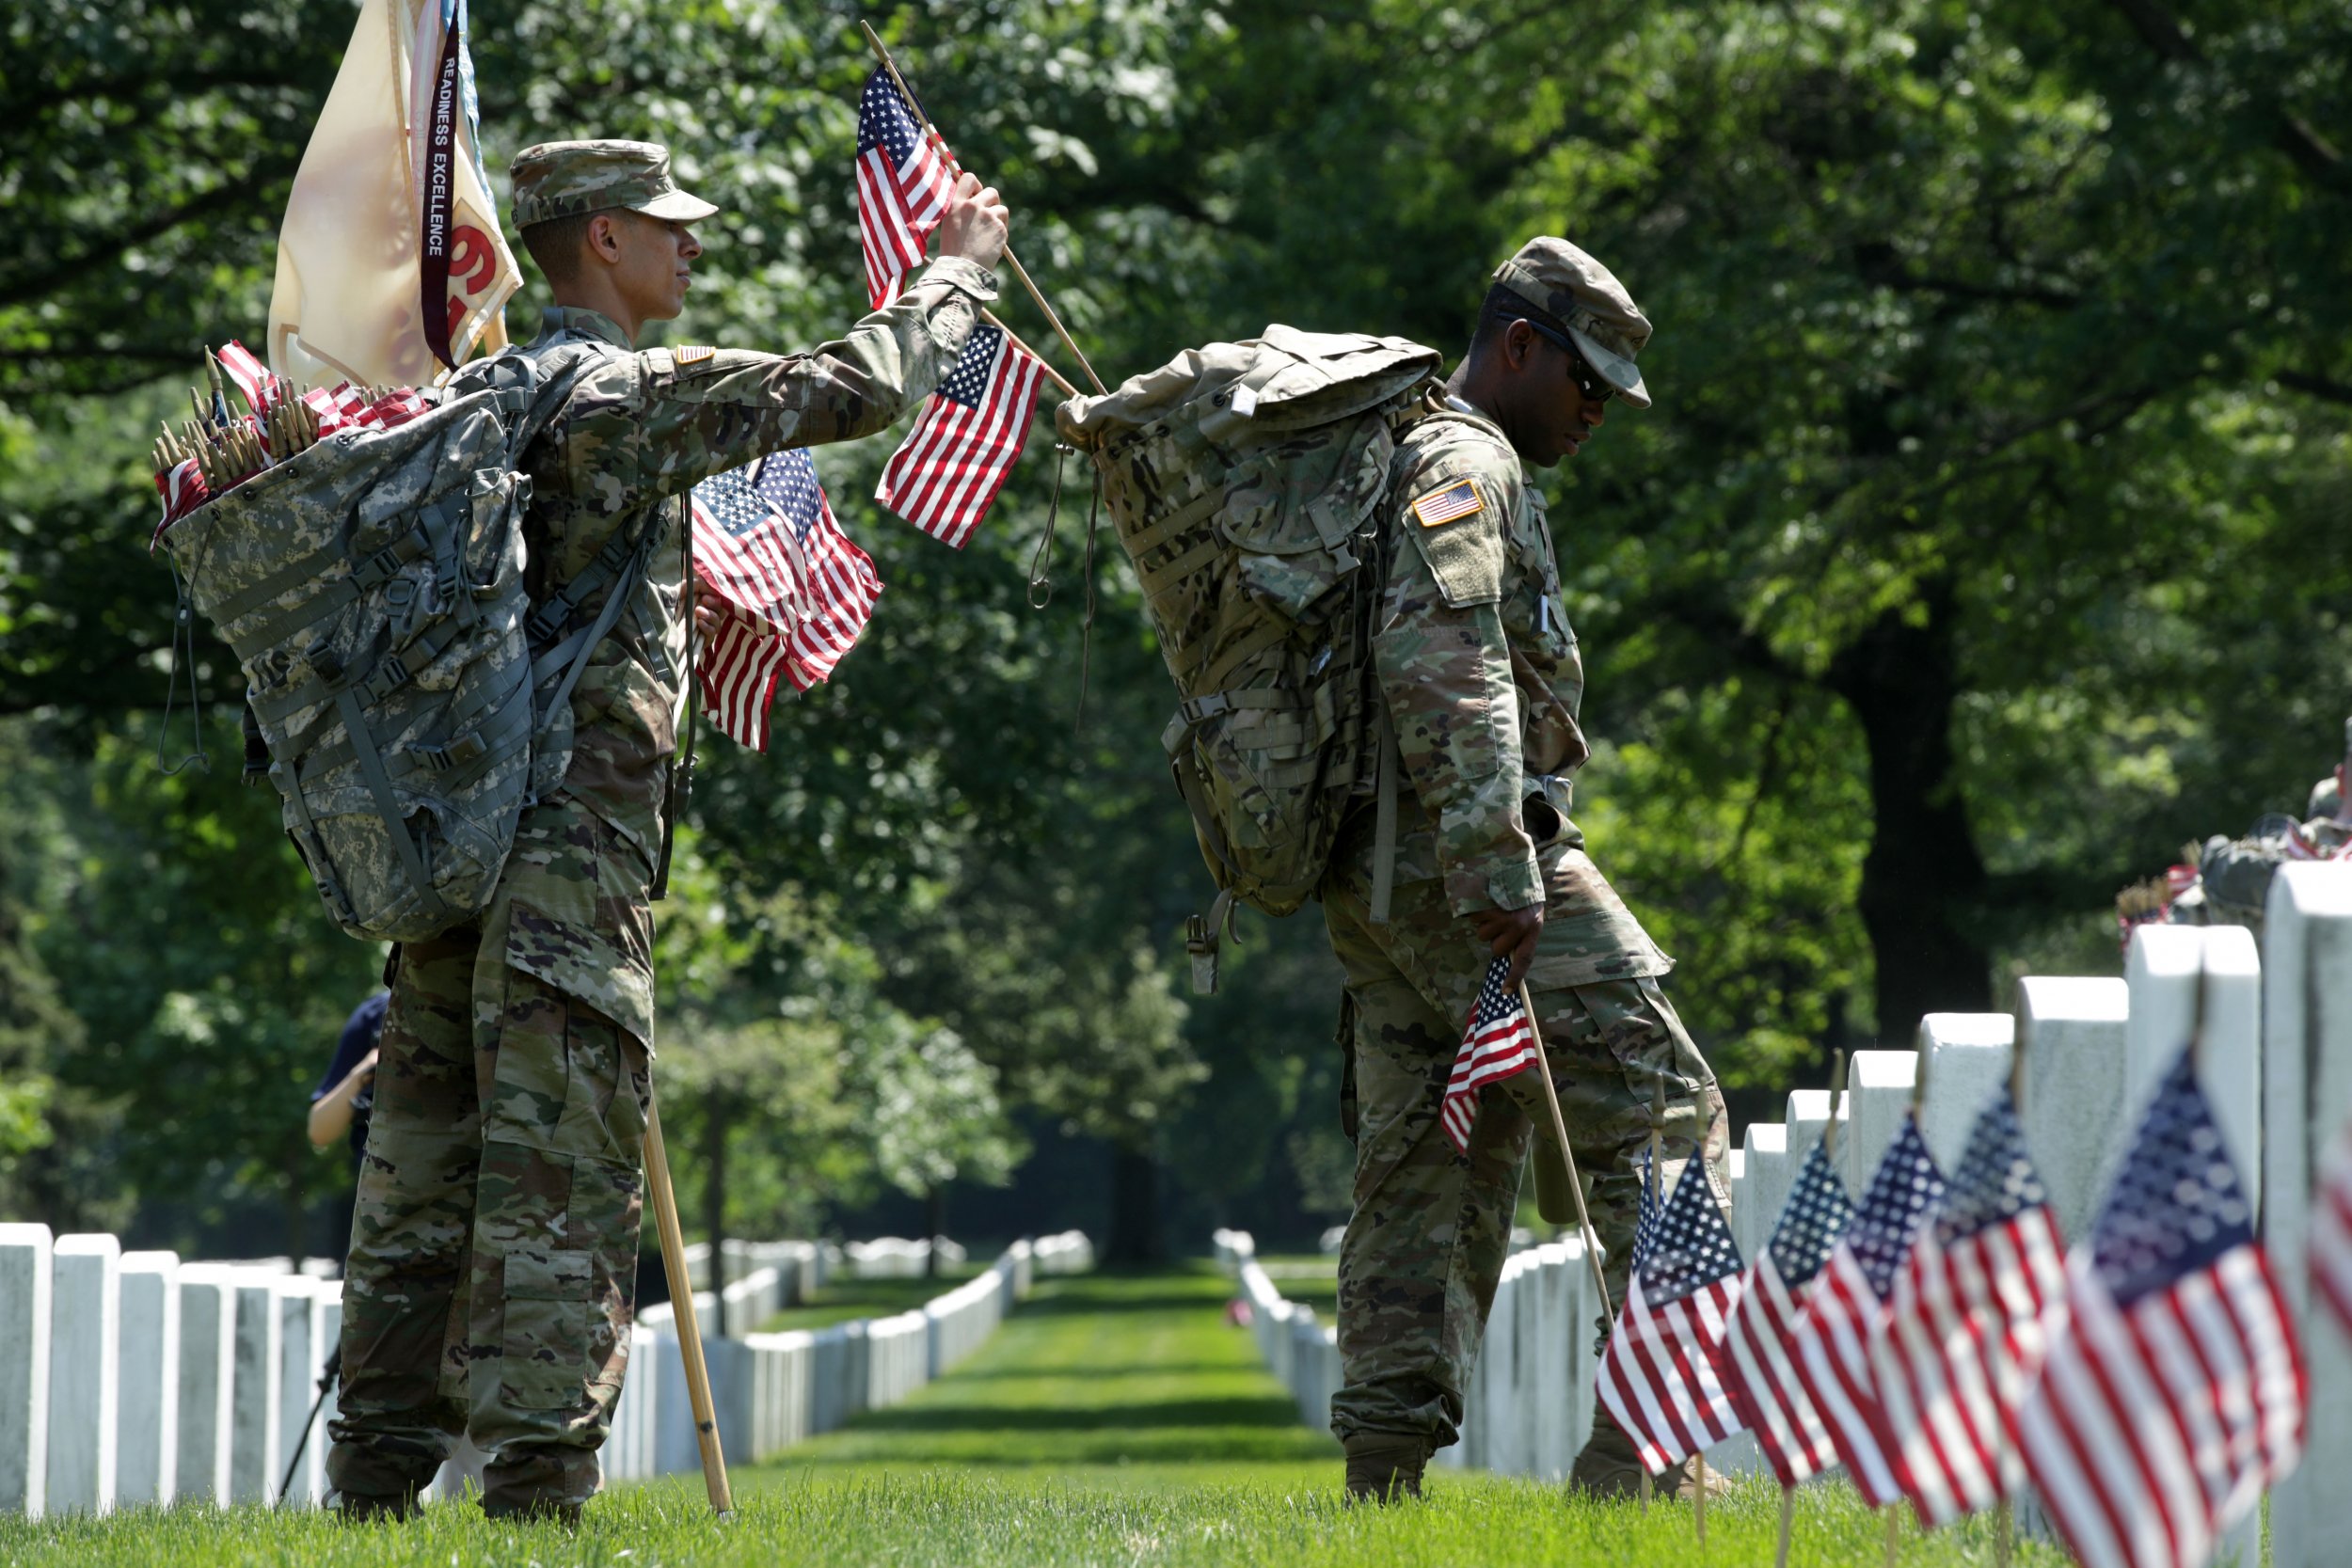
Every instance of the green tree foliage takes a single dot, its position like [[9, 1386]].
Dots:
[[1981, 548]]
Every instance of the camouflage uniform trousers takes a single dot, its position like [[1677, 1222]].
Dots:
[[1425, 1244], [493, 1265]]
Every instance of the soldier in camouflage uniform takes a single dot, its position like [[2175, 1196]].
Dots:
[[494, 1256], [1482, 679]]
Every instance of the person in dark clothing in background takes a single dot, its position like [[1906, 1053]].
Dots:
[[347, 1093]]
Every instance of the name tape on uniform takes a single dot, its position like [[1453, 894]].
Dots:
[[1458, 500]]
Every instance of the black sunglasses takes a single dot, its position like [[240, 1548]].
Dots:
[[1587, 380]]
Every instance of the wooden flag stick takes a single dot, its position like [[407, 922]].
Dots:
[[2002, 1526], [1894, 1525], [1654, 1181], [1788, 1520], [882, 53], [1051, 374], [1567, 1155], [1836, 1097], [690, 1340]]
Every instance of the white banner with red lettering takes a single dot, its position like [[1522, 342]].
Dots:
[[392, 267]]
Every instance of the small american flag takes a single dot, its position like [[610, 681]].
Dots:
[[2173, 1393], [253, 378], [1973, 1311], [955, 459], [1756, 1359], [798, 592], [1499, 1043], [902, 187], [1657, 1376], [346, 407], [1848, 1312], [2330, 1259]]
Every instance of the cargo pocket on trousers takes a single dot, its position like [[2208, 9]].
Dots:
[[543, 1364]]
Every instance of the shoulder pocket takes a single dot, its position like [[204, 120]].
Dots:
[[1465, 552]]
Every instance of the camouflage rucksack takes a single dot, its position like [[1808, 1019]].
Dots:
[[372, 587], [1244, 481]]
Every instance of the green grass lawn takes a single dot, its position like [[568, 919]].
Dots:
[[1115, 1420], [844, 1299]]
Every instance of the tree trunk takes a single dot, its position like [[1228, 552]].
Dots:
[[1135, 1208], [1923, 883], [935, 1221], [717, 1117]]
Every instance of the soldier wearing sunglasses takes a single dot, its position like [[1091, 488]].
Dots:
[[1482, 680]]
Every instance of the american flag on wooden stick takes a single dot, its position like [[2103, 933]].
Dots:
[[1657, 1374], [1498, 1043], [1756, 1358], [2173, 1394], [1973, 1310], [955, 459], [902, 187], [1848, 1312], [2330, 1256], [797, 591]]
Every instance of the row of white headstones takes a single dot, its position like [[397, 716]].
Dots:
[[132, 1378], [2274, 1055]]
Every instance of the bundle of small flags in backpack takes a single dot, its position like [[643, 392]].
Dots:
[[218, 449], [1939, 1341]]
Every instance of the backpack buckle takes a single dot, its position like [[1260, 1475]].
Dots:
[[463, 751], [1195, 710], [387, 679], [1202, 944], [379, 567], [549, 619]]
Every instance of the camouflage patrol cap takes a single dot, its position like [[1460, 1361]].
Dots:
[[567, 179], [1567, 288]]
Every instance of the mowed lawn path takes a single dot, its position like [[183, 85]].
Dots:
[[1116, 1420], [1102, 1379]]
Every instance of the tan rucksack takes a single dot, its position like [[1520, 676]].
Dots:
[[1245, 482]]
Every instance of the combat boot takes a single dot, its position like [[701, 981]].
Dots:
[[1610, 1467], [367, 1507], [1383, 1466], [532, 1510]]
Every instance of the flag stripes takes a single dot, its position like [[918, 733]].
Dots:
[[902, 187], [1757, 1357], [2173, 1391], [947, 472], [1848, 1312], [797, 593], [1498, 1042], [1656, 1372], [1968, 1322], [2331, 1255]]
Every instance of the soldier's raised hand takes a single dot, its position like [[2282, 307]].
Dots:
[[976, 223]]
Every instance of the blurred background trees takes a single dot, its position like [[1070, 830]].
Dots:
[[1986, 542]]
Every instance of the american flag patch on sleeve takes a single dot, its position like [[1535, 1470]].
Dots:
[[1458, 500]]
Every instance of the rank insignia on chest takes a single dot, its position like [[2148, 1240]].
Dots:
[[1458, 500], [694, 355]]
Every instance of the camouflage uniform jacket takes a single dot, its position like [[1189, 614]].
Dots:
[[637, 430], [1482, 679]]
